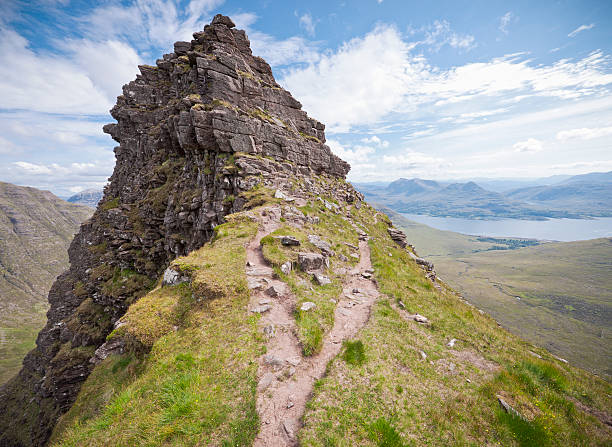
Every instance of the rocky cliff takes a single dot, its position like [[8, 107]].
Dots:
[[199, 135]]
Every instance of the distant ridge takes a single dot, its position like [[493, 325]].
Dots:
[[580, 196], [88, 197]]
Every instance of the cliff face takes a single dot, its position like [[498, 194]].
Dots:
[[197, 134]]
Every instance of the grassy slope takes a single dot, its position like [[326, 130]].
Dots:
[[197, 384], [565, 289], [36, 229], [394, 397]]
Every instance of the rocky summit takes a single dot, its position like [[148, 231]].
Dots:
[[196, 132], [232, 289]]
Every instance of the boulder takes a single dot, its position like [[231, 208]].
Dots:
[[307, 305], [320, 244], [397, 236], [289, 241], [220, 19], [322, 280], [173, 277], [309, 262], [286, 268]]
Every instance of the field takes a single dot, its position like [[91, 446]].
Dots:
[[555, 295]]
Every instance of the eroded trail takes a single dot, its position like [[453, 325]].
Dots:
[[286, 378]]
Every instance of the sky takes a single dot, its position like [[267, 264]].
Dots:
[[439, 89]]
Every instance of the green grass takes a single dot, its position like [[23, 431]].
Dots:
[[397, 398], [354, 353], [196, 383], [564, 289]]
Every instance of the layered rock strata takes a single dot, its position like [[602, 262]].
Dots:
[[198, 134]]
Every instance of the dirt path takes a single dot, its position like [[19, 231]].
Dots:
[[286, 378]]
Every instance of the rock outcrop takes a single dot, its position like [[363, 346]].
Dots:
[[200, 135]]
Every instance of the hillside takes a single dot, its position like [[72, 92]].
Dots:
[[233, 289], [575, 197], [557, 295], [36, 228]]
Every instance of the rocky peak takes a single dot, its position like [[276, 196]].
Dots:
[[198, 133]]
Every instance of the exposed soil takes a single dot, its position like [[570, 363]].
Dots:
[[286, 378]]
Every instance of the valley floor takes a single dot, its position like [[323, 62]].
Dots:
[[556, 295]]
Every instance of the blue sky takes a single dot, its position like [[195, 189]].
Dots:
[[446, 89]]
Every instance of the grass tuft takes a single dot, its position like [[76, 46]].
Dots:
[[354, 353]]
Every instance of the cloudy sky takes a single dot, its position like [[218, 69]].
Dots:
[[440, 89]]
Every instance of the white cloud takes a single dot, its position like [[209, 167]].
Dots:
[[376, 141], [584, 133], [148, 22], [440, 33], [6, 146], [355, 155], [109, 64], [45, 82], [306, 21], [391, 79], [580, 29], [505, 20], [413, 161], [563, 79], [283, 52], [331, 91], [529, 145]]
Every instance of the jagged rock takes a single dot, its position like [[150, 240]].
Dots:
[[322, 280], [286, 267], [307, 305], [420, 319], [508, 408], [451, 343], [220, 19], [115, 345], [289, 241], [261, 308], [309, 262], [274, 361], [320, 244], [342, 257], [428, 266], [172, 277], [397, 236], [195, 132], [256, 283], [281, 195], [274, 291]]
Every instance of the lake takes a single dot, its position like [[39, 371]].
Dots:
[[564, 230]]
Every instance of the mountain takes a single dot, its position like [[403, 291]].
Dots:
[[36, 228], [574, 197], [535, 289], [468, 200], [593, 177], [412, 186], [588, 193], [232, 288], [87, 197]]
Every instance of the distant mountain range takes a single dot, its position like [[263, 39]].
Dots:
[[580, 196], [88, 197]]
